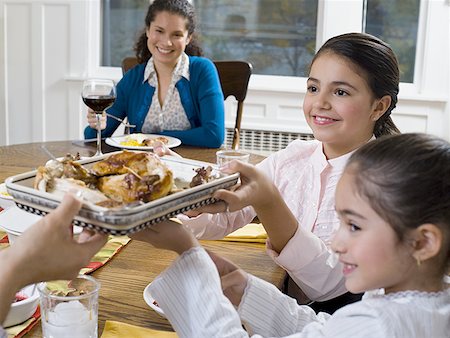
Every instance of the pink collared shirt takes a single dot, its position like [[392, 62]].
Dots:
[[307, 182]]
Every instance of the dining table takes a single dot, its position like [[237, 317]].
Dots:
[[124, 278]]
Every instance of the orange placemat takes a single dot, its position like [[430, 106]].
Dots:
[[112, 247]]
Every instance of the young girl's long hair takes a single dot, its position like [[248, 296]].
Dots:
[[379, 64], [178, 7], [406, 180]]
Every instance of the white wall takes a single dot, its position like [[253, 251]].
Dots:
[[48, 47]]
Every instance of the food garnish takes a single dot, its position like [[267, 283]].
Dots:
[[203, 176]]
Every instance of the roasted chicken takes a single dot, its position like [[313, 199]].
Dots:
[[128, 176]]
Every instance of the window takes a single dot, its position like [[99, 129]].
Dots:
[[277, 37], [396, 23]]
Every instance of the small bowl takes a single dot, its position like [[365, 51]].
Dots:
[[6, 200], [23, 310]]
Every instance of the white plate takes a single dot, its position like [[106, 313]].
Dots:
[[6, 200], [16, 221], [151, 301], [115, 141]]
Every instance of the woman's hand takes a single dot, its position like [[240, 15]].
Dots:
[[233, 279], [92, 119], [168, 235]]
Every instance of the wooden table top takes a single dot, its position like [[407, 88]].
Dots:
[[124, 278]]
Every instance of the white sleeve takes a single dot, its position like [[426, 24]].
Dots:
[[266, 311], [190, 294], [2, 332]]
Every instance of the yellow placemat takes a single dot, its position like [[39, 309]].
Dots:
[[120, 330], [251, 233], [112, 247]]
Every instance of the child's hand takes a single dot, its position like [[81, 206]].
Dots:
[[256, 189], [233, 279], [168, 235]]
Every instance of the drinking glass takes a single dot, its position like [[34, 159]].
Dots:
[[227, 155], [70, 308], [98, 94]]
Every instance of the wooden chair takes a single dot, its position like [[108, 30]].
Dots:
[[234, 77]]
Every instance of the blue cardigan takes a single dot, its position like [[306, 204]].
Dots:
[[201, 97]]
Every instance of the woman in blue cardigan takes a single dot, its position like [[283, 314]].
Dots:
[[173, 91]]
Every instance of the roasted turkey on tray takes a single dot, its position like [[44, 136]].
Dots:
[[119, 179], [127, 177]]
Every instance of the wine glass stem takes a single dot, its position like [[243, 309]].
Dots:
[[99, 135]]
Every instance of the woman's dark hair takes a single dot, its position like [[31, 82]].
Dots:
[[178, 7], [379, 63], [406, 180]]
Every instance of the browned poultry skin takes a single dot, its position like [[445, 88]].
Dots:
[[128, 177]]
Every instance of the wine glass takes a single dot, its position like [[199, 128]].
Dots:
[[98, 94]]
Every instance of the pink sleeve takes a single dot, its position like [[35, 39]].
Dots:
[[217, 226], [312, 266]]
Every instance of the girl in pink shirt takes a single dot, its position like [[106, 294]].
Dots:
[[351, 91]]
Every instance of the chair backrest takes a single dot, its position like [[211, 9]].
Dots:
[[234, 77], [128, 63]]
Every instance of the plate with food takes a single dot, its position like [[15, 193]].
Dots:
[[151, 301], [142, 141], [122, 192]]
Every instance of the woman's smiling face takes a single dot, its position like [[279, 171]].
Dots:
[[339, 106], [167, 38]]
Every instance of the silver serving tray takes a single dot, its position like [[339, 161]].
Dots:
[[127, 220]]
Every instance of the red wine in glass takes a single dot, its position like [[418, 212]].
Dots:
[[98, 103], [98, 94]]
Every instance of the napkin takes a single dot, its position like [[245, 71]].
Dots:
[[112, 247], [251, 233], [117, 329]]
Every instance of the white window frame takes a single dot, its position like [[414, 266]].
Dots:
[[329, 23]]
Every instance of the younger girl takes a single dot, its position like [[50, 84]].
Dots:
[[169, 92], [394, 238], [352, 89]]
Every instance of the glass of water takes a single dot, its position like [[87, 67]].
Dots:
[[70, 308]]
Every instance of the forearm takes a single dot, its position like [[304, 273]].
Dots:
[[278, 220]]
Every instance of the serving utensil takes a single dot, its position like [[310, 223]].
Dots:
[[126, 124]]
